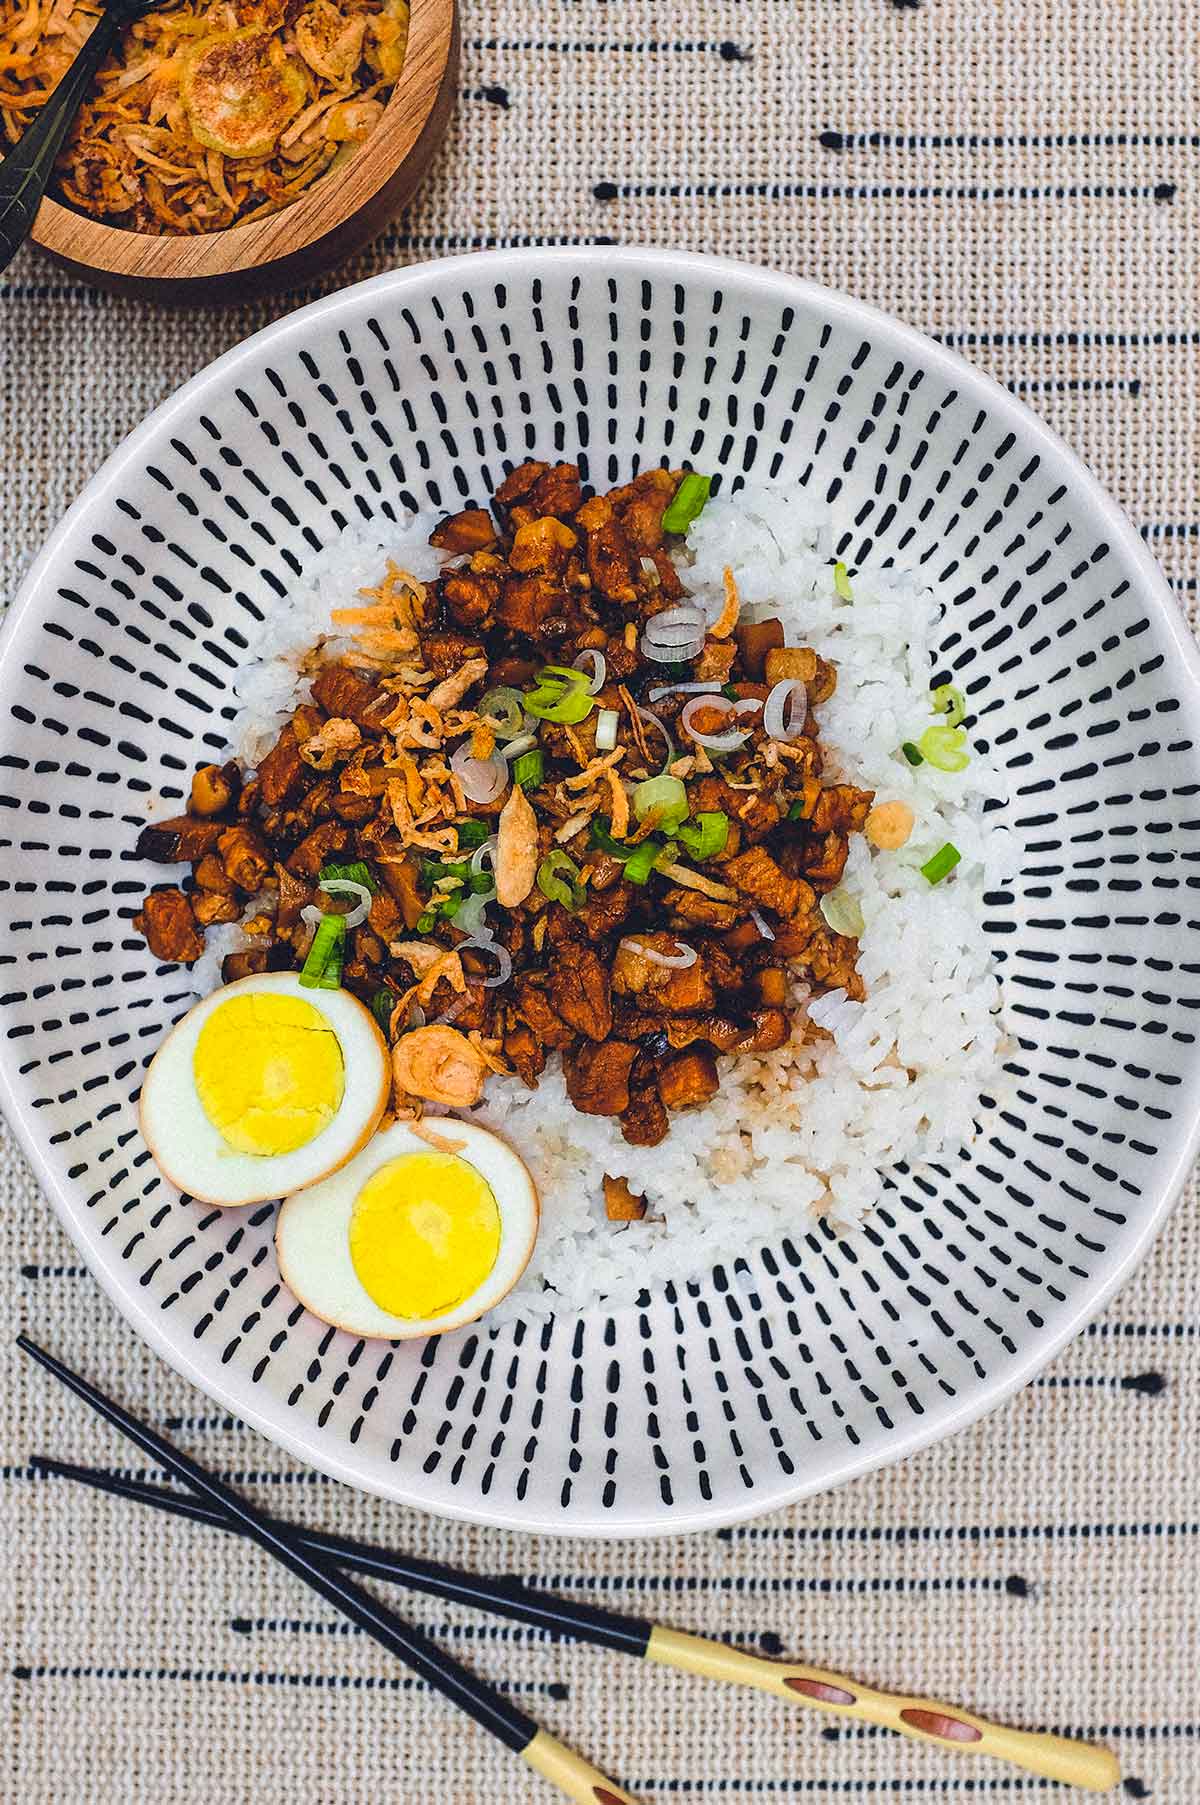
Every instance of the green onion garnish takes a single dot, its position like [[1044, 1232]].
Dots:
[[796, 812], [941, 864], [951, 702], [426, 922], [841, 582], [471, 834], [687, 503], [642, 860], [945, 748], [358, 873], [325, 954], [706, 835], [382, 1004], [730, 690], [842, 912], [561, 694], [664, 797], [600, 837], [529, 769], [912, 753], [558, 880], [504, 708]]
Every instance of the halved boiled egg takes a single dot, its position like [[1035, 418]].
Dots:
[[263, 1087], [408, 1238]]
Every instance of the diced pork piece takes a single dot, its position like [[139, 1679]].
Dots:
[[621, 1204], [445, 651], [579, 990], [525, 1053], [841, 809], [688, 907], [181, 840], [756, 874], [317, 849], [471, 600], [605, 910], [645, 1122], [612, 562], [470, 530], [533, 1007], [351, 697], [245, 857], [754, 812], [688, 1079], [597, 1076], [281, 771], [169, 927], [824, 860], [661, 986]]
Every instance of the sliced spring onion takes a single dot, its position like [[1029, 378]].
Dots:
[[558, 880], [945, 748], [785, 710], [641, 861], [664, 797], [344, 886], [706, 835], [594, 665], [382, 1004], [687, 503], [426, 922], [599, 836], [482, 779], [505, 709], [325, 954], [842, 912], [357, 873], [607, 723], [566, 701], [951, 702], [912, 753], [530, 769], [941, 864], [471, 834], [485, 942], [841, 582]]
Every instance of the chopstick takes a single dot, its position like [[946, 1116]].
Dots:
[[518, 1732], [1053, 1757]]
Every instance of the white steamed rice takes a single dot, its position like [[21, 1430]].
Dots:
[[810, 1128]]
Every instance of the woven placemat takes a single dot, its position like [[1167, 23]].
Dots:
[[1023, 181]]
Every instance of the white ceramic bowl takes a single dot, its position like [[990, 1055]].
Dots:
[[825, 1357]]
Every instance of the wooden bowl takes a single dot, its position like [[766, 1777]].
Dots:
[[326, 224]]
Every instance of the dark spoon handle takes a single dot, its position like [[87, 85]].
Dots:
[[25, 173]]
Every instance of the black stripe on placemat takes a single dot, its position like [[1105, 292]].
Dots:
[[957, 1532], [331, 1682], [879, 191], [831, 138]]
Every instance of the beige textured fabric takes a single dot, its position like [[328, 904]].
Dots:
[[1033, 197]]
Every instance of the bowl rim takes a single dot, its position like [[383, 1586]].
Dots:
[[321, 210], [650, 261]]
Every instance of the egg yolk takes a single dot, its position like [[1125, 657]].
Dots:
[[424, 1233], [268, 1072]]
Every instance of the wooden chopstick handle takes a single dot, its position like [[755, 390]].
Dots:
[[1053, 1757], [569, 1771]]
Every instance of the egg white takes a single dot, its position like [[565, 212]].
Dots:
[[312, 1233], [192, 1153]]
